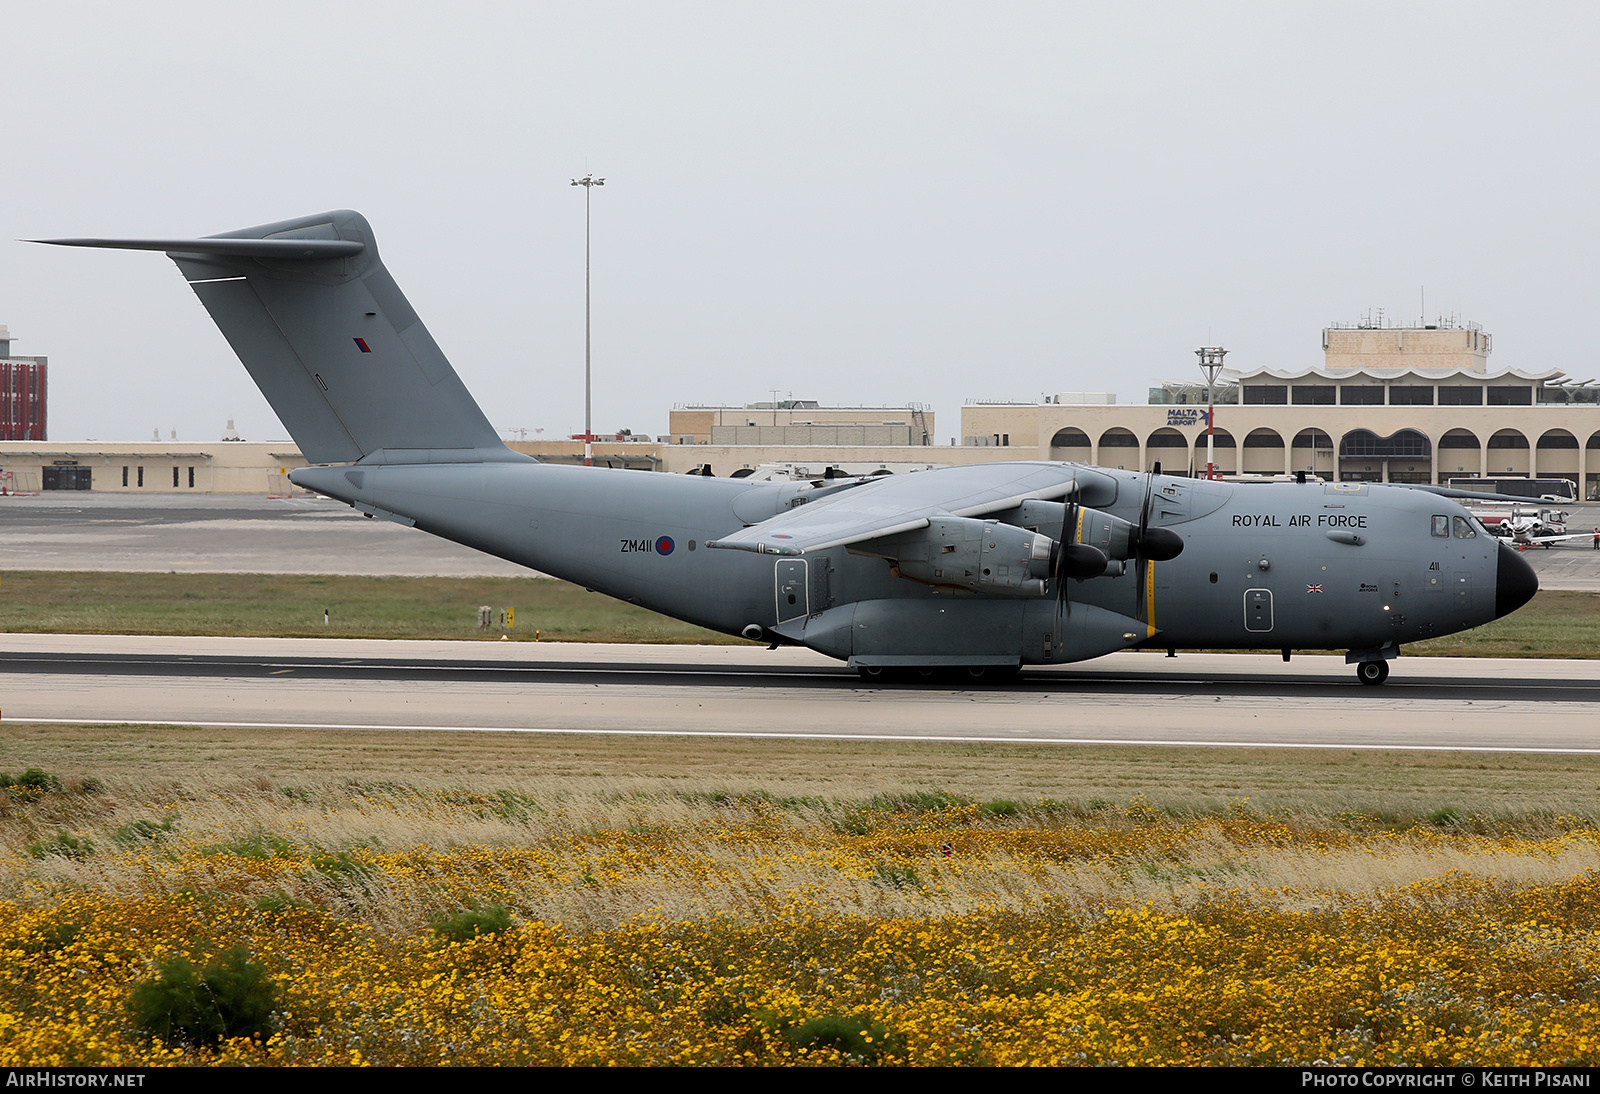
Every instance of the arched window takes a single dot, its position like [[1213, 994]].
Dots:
[[1365, 444], [1070, 438], [1558, 438], [1508, 438]]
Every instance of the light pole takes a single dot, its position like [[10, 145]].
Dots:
[[1211, 364], [588, 182]]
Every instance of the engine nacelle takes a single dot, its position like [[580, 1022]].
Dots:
[[966, 553], [1114, 537]]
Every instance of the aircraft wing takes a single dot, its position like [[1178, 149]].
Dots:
[[901, 503]]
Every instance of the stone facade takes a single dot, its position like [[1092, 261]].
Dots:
[[159, 467], [802, 423], [1413, 405]]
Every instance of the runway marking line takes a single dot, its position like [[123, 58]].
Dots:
[[782, 735], [1043, 674]]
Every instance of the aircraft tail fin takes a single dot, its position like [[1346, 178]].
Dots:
[[331, 341]]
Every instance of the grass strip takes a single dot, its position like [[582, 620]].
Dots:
[[1554, 624], [292, 606]]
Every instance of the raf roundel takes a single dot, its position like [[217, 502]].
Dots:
[[664, 545]]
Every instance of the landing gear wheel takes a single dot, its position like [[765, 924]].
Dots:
[[1372, 672], [874, 673], [983, 675]]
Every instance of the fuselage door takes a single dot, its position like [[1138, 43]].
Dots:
[[1258, 609], [790, 580]]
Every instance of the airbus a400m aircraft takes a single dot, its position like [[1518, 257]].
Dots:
[[980, 569]]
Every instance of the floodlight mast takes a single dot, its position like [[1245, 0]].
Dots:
[[1211, 364], [588, 182]]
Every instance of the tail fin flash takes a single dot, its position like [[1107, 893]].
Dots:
[[331, 341]]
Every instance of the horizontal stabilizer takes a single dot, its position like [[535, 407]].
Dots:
[[238, 248]]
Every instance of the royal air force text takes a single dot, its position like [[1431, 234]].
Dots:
[[1300, 520]]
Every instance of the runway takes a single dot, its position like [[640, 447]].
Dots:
[[219, 533], [1126, 698]]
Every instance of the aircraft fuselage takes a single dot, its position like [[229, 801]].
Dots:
[[1273, 565]]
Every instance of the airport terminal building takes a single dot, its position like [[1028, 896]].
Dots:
[[1388, 404]]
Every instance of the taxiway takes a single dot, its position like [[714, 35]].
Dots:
[[1126, 698]]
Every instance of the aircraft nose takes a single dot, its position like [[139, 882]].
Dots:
[[1514, 582]]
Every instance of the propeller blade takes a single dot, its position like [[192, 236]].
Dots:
[[1141, 545], [1149, 487], [1153, 544], [1072, 561], [1063, 561]]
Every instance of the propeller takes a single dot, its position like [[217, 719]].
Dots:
[[1150, 545], [1072, 560]]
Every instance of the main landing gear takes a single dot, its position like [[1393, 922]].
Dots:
[[960, 674], [1372, 672]]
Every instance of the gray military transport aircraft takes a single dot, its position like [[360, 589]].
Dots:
[[975, 570]]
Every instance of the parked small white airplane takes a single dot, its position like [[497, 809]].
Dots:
[[1540, 529]]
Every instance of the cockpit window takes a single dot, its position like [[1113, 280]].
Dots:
[[1441, 526], [1464, 529]]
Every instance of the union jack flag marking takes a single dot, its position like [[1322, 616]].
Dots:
[[1313, 588]]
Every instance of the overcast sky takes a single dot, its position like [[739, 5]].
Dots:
[[856, 203]]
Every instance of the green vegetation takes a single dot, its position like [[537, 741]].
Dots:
[[34, 780], [136, 833], [62, 845], [858, 1038], [292, 606], [232, 996], [1554, 624], [466, 925]]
